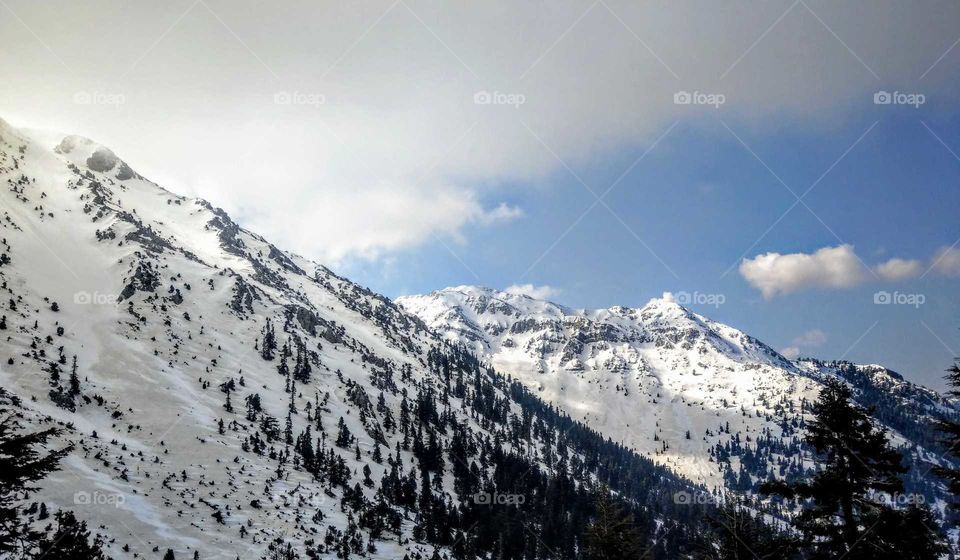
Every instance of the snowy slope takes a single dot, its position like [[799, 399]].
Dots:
[[163, 304], [128, 263], [707, 400]]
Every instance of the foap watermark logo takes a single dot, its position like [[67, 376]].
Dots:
[[902, 500], [497, 499], [312, 99], [898, 298], [99, 98], [514, 100], [699, 98], [93, 298], [98, 498], [899, 98], [698, 298], [685, 498]]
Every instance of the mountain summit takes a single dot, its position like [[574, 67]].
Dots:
[[706, 400], [224, 398]]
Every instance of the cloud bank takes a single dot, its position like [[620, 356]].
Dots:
[[810, 339], [365, 128], [831, 267], [835, 268], [947, 261], [896, 270]]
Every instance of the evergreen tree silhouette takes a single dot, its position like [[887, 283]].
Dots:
[[613, 535], [21, 465], [844, 512], [951, 429], [70, 541]]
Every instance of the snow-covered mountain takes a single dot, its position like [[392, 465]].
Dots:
[[226, 398], [707, 400]]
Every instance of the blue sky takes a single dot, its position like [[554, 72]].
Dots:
[[700, 200]]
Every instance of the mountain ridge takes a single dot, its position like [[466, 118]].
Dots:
[[691, 376], [226, 398], [169, 343]]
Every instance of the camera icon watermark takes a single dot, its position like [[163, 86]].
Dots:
[[98, 498], [898, 298], [899, 98], [699, 98], [484, 97], [299, 98], [497, 499], [99, 98], [698, 298], [684, 498], [93, 298]]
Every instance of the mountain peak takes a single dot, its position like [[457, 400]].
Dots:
[[685, 372], [86, 153], [666, 303]]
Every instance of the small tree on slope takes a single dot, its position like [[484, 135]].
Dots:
[[613, 535]]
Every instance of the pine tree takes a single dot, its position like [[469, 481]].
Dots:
[[911, 533], [301, 369], [738, 535], [344, 437], [288, 429], [70, 540], [253, 406], [842, 502], [21, 465], [613, 535], [74, 379], [951, 429], [269, 344]]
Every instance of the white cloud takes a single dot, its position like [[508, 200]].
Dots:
[[791, 352], [899, 269], [399, 151], [830, 267], [395, 216], [502, 213], [536, 292], [835, 268], [947, 261], [810, 339]]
